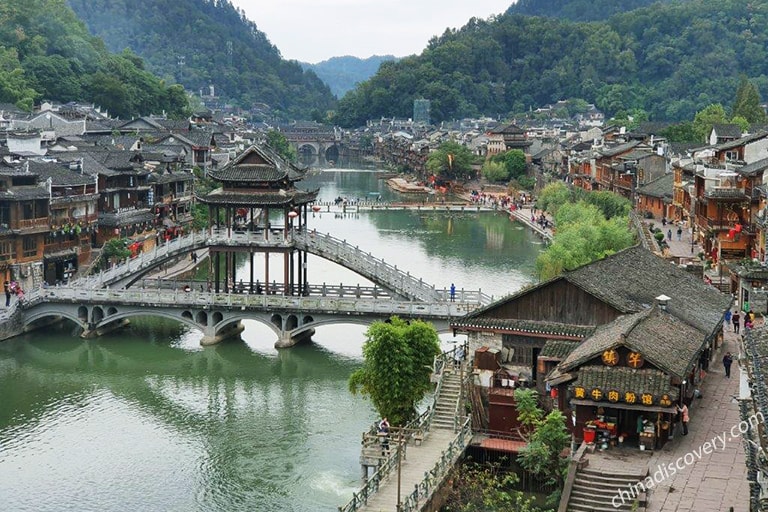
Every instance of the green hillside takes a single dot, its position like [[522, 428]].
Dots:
[[668, 59], [207, 42], [577, 10], [47, 53]]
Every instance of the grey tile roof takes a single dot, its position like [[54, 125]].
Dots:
[[631, 279], [557, 349], [754, 169], [24, 193], [664, 340], [624, 379], [732, 131], [60, 174], [273, 198], [519, 325], [661, 187], [258, 164], [619, 149], [741, 141]]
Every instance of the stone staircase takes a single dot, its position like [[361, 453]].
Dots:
[[445, 407], [594, 491]]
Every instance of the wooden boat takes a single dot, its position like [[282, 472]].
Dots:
[[405, 187]]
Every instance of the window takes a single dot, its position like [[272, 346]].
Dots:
[[7, 251], [523, 355], [29, 247]]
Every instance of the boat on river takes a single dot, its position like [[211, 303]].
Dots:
[[406, 187]]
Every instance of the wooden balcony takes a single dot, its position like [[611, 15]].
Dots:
[[37, 225]]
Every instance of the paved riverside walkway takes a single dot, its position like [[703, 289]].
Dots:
[[713, 483], [419, 460]]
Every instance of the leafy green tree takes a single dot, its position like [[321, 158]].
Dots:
[[398, 356], [611, 205], [451, 160], [706, 119], [115, 250], [547, 438], [553, 196], [680, 132], [515, 161], [495, 171], [483, 487], [747, 103], [582, 235], [279, 143]]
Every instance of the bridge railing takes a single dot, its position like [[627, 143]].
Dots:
[[259, 288], [434, 477], [331, 305], [402, 282]]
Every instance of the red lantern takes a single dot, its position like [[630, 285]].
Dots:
[[293, 214], [731, 233], [737, 227], [316, 208]]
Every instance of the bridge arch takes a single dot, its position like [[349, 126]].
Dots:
[[332, 154], [30, 319]]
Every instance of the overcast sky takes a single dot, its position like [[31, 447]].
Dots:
[[315, 30]]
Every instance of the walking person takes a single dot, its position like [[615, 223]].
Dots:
[[736, 319], [727, 361], [679, 233], [458, 356], [7, 289], [383, 433], [683, 411], [727, 320], [669, 235]]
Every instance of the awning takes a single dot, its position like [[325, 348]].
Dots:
[[625, 406]]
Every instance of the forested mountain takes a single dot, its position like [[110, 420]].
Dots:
[[671, 60], [343, 73], [47, 53], [207, 42], [577, 10]]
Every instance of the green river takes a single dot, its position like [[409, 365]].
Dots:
[[144, 419]]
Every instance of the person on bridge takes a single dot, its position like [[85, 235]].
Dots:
[[7, 288], [453, 292]]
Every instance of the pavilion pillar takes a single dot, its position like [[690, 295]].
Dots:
[[286, 276], [233, 266], [305, 281], [251, 284], [291, 258], [266, 272], [226, 272], [217, 271]]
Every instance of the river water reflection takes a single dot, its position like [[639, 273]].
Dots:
[[145, 419]]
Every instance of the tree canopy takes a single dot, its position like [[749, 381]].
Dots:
[[588, 226], [199, 43], [451, 160], [670, 60], [47, 53], [398, 356]]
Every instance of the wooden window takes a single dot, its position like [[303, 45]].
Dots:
[[7, 251], [523, 355], [29, 247]]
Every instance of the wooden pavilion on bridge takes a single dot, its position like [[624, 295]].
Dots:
[[258, 194]]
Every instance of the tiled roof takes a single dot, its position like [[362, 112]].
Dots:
[[754, 169], [624, 379], [631, 279], [519, 325], [557, 349], [293, 197], [660, 187], [664, 340], [741, 141], [249, 172], [60, 174], [619, 149], [25, 193], [727, 130]]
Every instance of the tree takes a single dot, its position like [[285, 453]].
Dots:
[[706, 119], [482, 487], [495, 171], [398, 356], [747, 102], [553, 196], [516, 164], [547, 438], [279, 143], [451, 160], [115, 250]]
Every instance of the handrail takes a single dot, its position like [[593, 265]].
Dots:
[[434, 477]]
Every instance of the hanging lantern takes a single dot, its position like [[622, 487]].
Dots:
[[292, 214], [737, 227], [117, 231], [316, 208]]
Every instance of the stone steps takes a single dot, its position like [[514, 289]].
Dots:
[[594, 491]]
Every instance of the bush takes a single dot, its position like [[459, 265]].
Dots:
[[659, 236]]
